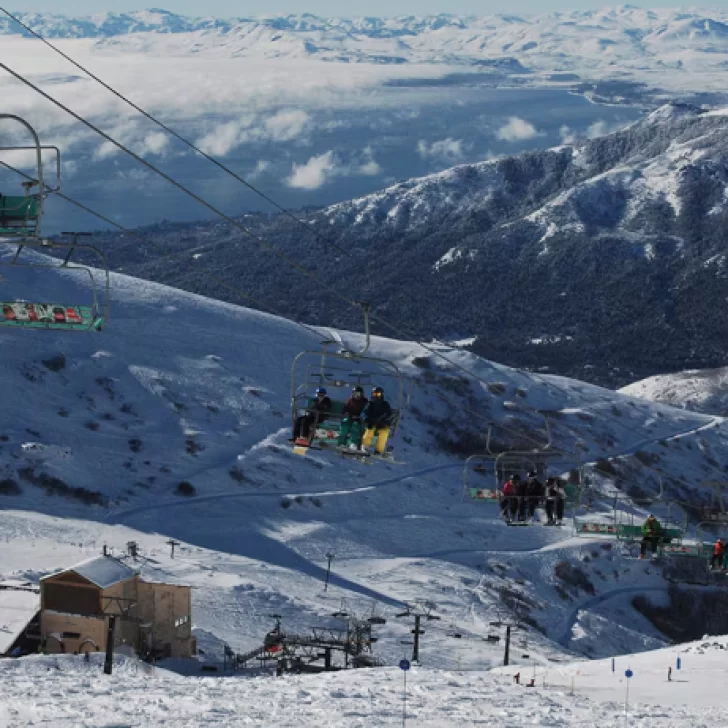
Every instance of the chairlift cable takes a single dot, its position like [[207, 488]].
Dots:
[[262, 241], [275, 251], [179, 137], [166, 255], [244, 182]]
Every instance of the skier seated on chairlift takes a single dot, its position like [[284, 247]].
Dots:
[[555, 498], [509, 501], [716, 560], [377, 416], [350, 432], [534, 493], [651, 535], [305, 427]]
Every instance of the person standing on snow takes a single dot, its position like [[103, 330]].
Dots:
[[351, 424], [377, 416], [651, 535]]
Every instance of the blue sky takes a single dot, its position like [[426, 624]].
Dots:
[[236, 8]]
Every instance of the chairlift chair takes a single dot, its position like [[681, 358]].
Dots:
[[340, 371], [20, 227]]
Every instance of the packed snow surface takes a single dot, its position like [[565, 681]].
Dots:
[[46, 690], [98, 433]]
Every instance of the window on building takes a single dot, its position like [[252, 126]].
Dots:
[[71, 635], [181, 620]]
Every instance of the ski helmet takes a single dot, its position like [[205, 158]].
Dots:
[[358, 389], [377, 392], [321, 390]]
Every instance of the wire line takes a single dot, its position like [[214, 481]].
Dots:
[[179, 137]]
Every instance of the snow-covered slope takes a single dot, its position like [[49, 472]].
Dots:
[[703, 390], [668, 48], [572, 695], [99, 431]]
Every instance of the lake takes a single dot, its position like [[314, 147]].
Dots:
[[317, 157]]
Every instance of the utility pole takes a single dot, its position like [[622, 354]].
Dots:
[[172, 543], [109, 662], [329, 557], [507, 652]]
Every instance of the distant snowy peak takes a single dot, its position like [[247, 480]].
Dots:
[[623, 32]]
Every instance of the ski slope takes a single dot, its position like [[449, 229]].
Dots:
[[570, 694], [181, 388]]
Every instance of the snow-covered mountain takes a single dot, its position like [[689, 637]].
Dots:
[[99, 433], [698, 390], [601, 259], [673, 49]]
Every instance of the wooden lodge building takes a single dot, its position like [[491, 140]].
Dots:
[[152, 618]]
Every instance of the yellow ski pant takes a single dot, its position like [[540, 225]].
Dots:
[[382, 437]]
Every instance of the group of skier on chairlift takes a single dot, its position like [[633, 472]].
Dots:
[[520, 498], [374, 414]]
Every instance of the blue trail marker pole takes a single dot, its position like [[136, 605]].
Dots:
[[628, 674], [404, 665], [679, 663]]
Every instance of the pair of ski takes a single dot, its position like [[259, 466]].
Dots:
[[302, 445]]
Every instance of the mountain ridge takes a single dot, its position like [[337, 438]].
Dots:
[[618, 241]]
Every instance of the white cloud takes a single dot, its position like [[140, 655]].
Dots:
[[104, 151], [368, 167], [222, 139], [517, 129], [450, 150], [568, 135], [260, 167], [597, 129], [602, 128], [314, 173], [323, 168], [156, 143], [285, 126]]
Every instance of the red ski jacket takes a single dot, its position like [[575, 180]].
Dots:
[[509, 488], [718, 549], [354, 407]]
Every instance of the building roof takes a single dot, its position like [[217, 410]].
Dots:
[[17, 608], [103, 571]]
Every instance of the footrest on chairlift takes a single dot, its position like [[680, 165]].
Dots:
[[48, 316]]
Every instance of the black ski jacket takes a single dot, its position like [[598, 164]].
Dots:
[[321, 407], [377, 413]]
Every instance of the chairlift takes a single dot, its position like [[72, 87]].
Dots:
[[716, 511], [339, 372], [625, 524], [484, 474], [20, 227]]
